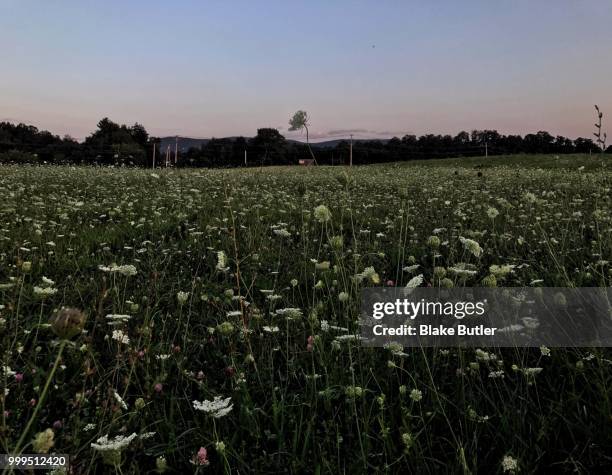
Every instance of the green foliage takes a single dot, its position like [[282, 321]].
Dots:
[[298, 121]]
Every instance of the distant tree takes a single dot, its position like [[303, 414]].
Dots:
[[541, 142], [563, 145], [394, 146], [513, 144], [462, 138], [139, 134], [106, 127], [112, 143], [584, 145], [218, 152], [299, 121], [269, 146]]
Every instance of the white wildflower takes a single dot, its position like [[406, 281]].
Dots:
[[322, 213], [471, 245], [416, 395], [415, 282], [121, 337], [118, 443], [126, 270], [117, 319], [509, 464], [289, 312], [218, 407], [44, 291], [492, 213], [182, 297]]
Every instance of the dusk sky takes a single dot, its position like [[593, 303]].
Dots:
[[377, 68]]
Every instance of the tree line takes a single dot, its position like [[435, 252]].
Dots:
[[114, 144]]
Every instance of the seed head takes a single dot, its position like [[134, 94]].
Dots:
[[68, 322]]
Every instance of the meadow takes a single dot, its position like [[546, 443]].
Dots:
[[185, 321]]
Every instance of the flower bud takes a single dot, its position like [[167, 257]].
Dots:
[[439, 272], [433, 242], [489, 281]]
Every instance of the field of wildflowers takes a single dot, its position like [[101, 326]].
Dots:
[[185, 321]]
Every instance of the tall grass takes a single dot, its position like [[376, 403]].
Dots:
[[270, 322]]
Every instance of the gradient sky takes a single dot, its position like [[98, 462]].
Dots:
[[378, 68]]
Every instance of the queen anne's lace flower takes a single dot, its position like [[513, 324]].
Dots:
[[416, 395], [415, 282], [121, 337], [472, 246], [217, 408], [127, 270], [117, 443], [44, 291], [289, 312], [117, 319], [509, 464], [322, 214]]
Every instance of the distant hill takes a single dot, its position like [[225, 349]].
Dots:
[[185, 143], [335, 142]]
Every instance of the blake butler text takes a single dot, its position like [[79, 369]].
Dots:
[[433, 330]]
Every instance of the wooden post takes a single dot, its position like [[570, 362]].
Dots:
[[176, 150], [351, 153], [153, 154]]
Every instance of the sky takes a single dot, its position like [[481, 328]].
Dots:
[[372, 68]]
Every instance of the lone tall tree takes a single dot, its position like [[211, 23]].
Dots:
[[299, 121]]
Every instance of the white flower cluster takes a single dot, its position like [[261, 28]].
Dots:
[[322, 214], [289, 312], [369, 273], [121, 337], [463, 270], [509, 464], [119, 442], [415, 282], [46, 291], [416, 395], [472, 246], [217, 408], [282, 232], [127, 270], [182, 297], [117, 319]]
